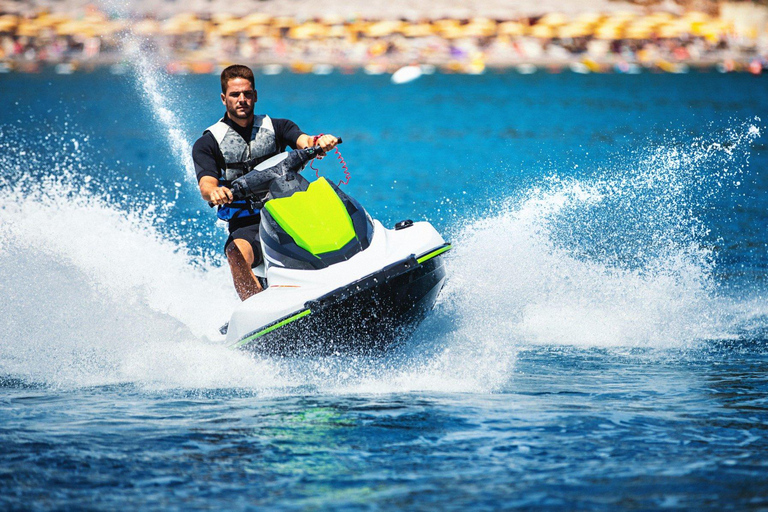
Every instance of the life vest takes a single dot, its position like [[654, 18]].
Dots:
[[241, 157]]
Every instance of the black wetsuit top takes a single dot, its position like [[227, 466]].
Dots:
[[208, 158]]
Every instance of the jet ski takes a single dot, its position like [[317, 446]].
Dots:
[[337, 281]]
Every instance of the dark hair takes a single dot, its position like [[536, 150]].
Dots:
[[236, 71]]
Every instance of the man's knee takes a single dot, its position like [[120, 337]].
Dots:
[[239, 252]]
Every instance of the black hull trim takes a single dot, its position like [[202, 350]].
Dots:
[[366, 317]]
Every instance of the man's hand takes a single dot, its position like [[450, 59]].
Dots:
[[326, 142], [213, 193], [221, 195]]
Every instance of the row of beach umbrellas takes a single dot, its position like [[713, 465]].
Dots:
[[614, 26]]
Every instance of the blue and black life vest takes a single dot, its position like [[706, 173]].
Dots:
[[241, 157]]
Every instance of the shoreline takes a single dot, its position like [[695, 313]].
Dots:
[[119, 66]]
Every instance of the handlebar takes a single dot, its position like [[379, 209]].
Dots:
[[243, 186]]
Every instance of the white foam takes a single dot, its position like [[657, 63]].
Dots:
[[543, 293], [80, 276]]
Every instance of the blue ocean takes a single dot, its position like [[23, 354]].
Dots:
[[601, 342]]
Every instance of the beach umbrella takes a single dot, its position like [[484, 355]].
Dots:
[[307, 30], [257, 31], [480, 27], [553, 19], [357, 26], [283, 22], [417, 30], [383, 28], [230, 27], [608, 32], [588, 18], [28, 28], [663, 16], [657, 19], [623, 15], [68, 28], [638, 32], [713, 31], [257, 18], [618, 21], [672, 30], [7, 24], [445, 24], [356, 29], [511, 28], [694, 20], [222, 17], [196, 26], [9, 19], [645, 22], [77, 27], [452, 33], [193, 26], [337, 31], [697, 17], [332, 19], [45, 20], [483, 22], [542, 31], [573, 30]]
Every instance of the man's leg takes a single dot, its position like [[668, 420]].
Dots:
[[240, 257]]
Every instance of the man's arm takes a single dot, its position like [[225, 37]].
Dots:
[[290, 134], [207, 170], [212, 192]]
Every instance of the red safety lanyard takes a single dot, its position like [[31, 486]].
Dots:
[[347, 174]]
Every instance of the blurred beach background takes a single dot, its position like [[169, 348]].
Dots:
[[302, 36]]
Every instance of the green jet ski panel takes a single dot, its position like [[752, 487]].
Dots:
[[316, 219]]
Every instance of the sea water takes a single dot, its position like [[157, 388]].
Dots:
[[601, 342]]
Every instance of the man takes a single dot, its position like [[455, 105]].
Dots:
[[231, 148]]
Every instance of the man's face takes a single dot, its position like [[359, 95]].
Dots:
[[239, 98]]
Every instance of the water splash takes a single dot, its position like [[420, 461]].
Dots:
[[94, 293], [621, 259], [154, 85]]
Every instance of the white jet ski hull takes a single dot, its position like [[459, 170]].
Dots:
[[366, 303]]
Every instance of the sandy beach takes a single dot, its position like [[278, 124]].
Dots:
[[200, 36]]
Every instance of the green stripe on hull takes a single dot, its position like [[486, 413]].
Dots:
[[434, 253], [271, 328]]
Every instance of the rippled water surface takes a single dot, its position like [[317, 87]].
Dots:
[[600, 344]]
